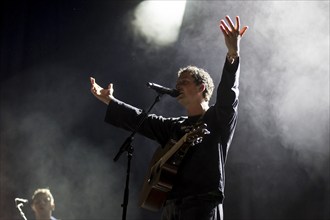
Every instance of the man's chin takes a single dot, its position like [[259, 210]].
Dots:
[[179, 98]]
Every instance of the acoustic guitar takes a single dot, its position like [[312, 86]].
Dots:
[[164, 166]]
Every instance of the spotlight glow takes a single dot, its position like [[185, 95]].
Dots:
[[159, 21]]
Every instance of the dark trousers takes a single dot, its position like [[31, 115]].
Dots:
[[193, 208]]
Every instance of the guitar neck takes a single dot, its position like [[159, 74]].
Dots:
[[173, 149]]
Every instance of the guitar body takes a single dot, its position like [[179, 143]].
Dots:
[[157, 184], [164, 167]]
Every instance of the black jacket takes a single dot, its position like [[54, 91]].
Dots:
[[202, 169]]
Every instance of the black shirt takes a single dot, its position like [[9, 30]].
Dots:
[[202, 169]]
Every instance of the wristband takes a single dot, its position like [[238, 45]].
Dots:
[[231, 57]]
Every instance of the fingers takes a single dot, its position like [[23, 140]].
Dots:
[[231, 30], [224, 27], [243, 30], [92, 80], [100, 93], [230, 23], [237, 23], [93, 90]]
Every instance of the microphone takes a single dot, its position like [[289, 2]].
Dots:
[[17, 200], [163, 90]]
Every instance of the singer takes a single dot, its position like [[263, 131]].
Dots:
[[198, 187]]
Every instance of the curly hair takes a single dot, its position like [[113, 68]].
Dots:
[[43, 191], [201, 77]]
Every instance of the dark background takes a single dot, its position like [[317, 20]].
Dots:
[[52, 129]]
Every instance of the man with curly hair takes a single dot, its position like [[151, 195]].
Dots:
[[198, 187]]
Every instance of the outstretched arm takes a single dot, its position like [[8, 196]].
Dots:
[[104, 95], [228, 92], [233, 35]]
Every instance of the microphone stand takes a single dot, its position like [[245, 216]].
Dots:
[[18, 206], [127, 146]]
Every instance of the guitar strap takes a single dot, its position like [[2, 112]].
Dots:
[[194, 125], [180, 154]]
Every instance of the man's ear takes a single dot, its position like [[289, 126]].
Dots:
[[53, 207], [202, 87]]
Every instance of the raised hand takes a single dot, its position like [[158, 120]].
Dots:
[[105, 95], [232, 34]]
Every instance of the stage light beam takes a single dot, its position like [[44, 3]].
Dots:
[[159, 22]]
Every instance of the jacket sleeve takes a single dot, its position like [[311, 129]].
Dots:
[[227, 102], [128, 117]]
